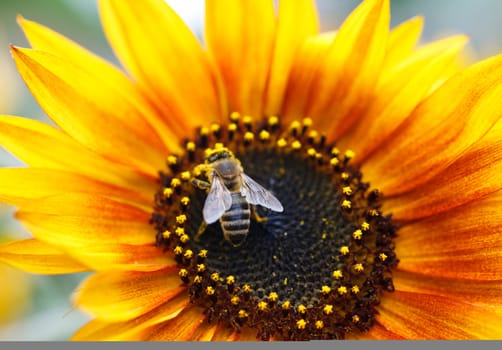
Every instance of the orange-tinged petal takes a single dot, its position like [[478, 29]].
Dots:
[[484, 293], [21, 185], [75, 220], [137, 328], [44, 146], [34, 256], [224, 333], [437, 133], [402, 41], [87, 107], [427, 316], [400, 90], [303, 72], [460, 243], [45, 39], [347, 76], [376, 332], [119, 296], [240, 37], [297, 20], [174, 69], [114, 256], [189, 325], [474, 175]]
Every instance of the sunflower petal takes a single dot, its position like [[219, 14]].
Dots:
[[45, 39], [426, 316], [43, 146], [402, 41], [19, 186], [348, 74], [485, 293], [113, 256], [296, 21], [172, 69], [437, 133], [119, 296], [398, 97], [242, 49], [34, 256], [189, 325], [137, 328], [461, 243], [74, 220], [87, 107], [474, 175]]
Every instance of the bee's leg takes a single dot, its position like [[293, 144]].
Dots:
[[256, 216], [203, 185], [200, 231]]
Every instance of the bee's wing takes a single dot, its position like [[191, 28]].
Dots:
[[256, 194], [217, 202]]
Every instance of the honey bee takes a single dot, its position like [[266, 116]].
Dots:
[[232, 195]]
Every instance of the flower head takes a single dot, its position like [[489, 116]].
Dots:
[[272, 182]]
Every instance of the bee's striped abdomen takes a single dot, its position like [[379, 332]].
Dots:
[[235, 221]]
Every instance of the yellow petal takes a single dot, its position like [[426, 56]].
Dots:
[[475, 174], [45, 39], [347, 76], [75, 220], [400, 90], [23, 185], [427, 316], [44, 146], [189, 325], [297, 20], [90, 109], [161, 52], [437, 133], [119, 296], [34, 256], [114, 256], [240, 37], [402, 41], [135, 329], [460, 243]]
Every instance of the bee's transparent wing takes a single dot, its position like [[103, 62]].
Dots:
[[217, 202], [256, 194]]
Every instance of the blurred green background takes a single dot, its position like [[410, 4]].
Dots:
[[37, 307]]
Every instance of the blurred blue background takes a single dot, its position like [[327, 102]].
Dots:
[[37, 307]]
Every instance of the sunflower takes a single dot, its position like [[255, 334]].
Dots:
[[272, 183]]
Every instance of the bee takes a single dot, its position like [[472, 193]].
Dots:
[[232, 195]]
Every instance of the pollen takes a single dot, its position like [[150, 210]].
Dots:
[[347, 190], [334, 161], [296, 145], [346, 204], [246, 288], [319, 324], [190, 146], [264, 135], [301, 324], [302, 309], [180, 231], [175, 182], [286, 305], [325, 290], [342, 290], [243, 313], [248, 136], [262, 306], [188, 254], [344, 250], [184, 238], [273, 296], [185, 201], [201, 268], [215, 276], [357, 234], [349, 154], [328, 309], [178, 250], [235, 300], [181, 219], [383, 256], [281, 143], [168, 192], [232, 127], [355, 319], [166, 234], [273, 120], [210, 290], [203, 253], [355, 289], [337, 274], [183, 273], [359, 267], [172, 160], [365, 226], [185, 176], [307, 122], [234, 116], [230, 279], [247, 119]]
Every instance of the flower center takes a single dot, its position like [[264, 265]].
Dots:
[[314, 270]]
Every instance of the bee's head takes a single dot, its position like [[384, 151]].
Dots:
[[217, 153]]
